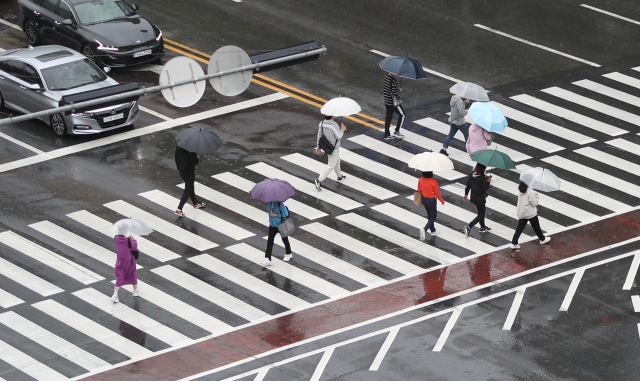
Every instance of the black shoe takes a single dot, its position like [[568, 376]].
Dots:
[[484, 229], [342, 178], [317, 184], [442, 151]]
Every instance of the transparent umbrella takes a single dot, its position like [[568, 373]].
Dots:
[[540, 179], [470, 90], [130, 226], [341, 106]]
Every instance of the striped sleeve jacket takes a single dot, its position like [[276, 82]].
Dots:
[[390, 88]]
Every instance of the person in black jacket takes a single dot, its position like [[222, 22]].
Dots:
[[186, 163], [478, 183]]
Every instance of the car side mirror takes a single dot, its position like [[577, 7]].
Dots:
[[135, 7], [107, 69], [67, 22], [34, 86]]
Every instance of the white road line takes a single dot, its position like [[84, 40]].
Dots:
[[27, 279], [400, 239], [423, 68], [543, 125], [317, 373], [146, 247], [132, 317], [379, 169], [633, 270], [49, 258], [586, 194], [20, 143], [154, 113], [397, 153], [455, 314], [594, 175], [594, 105], [635, 300], [92, 329], [200, 216], [245, 210], [515, 307], [351, 180], [569, 115], [246, 185], [454, 236], [262, 373], [572, 290], [248, 281], [305, 186], [101, 142], [162, 226], [12, 25], [610, 14], [375, 365], [361, 248], [7, 300], [78, 243], [609, 92], [609, 159], [537, 45], [625, 145], [329, 261], [181, 309], [28, 364], [54, 343], [302, 277], [624, 79]]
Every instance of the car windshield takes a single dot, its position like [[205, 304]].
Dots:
[[72, 74], [95, 11]]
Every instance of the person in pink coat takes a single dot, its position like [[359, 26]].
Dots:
[[479, 138], [125, 266]]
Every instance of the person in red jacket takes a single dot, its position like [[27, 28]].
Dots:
[[430, 190]]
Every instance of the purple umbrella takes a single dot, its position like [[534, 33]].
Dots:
[[272, 190]]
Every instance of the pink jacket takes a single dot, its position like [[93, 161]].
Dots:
[[479, 138]]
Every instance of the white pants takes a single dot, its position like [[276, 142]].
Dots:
[[334, 164]]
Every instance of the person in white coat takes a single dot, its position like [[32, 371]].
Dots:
[[527, 212], [330, 129]]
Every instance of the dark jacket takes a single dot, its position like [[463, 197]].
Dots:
[[186, 161], [478, 186]]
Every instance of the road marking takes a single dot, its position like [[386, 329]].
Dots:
[[572, 290], [631, 275], [379, 169], [515, 307], [455, 314], [609, 159], [317, 373], [375, 365], [434, 145], [536, 45], [610, 92], [635, 300], [154, 113], [610, 14], [624, 79], [26, 279], [52, 342], [28, 364], [7, 23], [245, 210], [7, 300], [423, 68], [92, 329], [49, 258], [20, 143], [246, 185]]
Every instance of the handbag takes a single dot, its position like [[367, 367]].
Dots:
[[417, 198], [325, 144], [397, 101], [135, 253], [286, 227]]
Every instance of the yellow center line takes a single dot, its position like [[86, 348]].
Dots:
[[186, 47]]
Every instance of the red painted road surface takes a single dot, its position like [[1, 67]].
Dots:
[[292, 328]]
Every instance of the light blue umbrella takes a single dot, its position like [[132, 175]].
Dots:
[[488, 116]]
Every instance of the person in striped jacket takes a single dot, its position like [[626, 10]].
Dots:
[[390, 90]]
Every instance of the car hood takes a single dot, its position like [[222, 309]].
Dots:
[[92, 86], [125, 31]]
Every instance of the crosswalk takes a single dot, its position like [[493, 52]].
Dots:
[[201, 274]]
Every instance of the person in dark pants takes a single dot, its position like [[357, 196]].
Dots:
[[428, 186], [478, 183], [277, 212], [527, 212], [391, 89], [186, 163], [456, 121]]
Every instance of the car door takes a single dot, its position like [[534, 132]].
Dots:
[[66, 35], [46, 20], [34, 100], [10, 84]]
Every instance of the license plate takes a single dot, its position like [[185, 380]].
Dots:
[[142, 53], [113, 117]]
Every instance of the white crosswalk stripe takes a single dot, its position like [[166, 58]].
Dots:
[[435, 146], [245, 210], [625, 145], [609, 159], [28, 364], [27, 279], [246, 185], [379, 169], [7, 300], [623, 78], [609, 91]]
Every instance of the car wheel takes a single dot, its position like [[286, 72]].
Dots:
[[1, 102], [31, 30], [58, 125], [88, 51]]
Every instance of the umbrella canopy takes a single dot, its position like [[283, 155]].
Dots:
[[130, 226], [340, 106], [198, 139], [403, 66], [493, 158], [430, 162], [488, 116], [470, 91], [540, 179], [272, 190]]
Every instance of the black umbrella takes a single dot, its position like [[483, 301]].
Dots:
[[198, 139]]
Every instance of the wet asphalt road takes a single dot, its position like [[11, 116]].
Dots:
[[442, 36]]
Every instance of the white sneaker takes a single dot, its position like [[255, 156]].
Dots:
[[266, 262], [115, 299], [137, 292], [515, 247], [390, 137], [398, 135], [318, 184], [422, 234], [287, 257], [435, 232], [547, 239]]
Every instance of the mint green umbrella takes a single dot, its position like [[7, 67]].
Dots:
[[493, 158]]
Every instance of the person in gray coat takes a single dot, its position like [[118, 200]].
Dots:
[[329, 128], [456, 120]]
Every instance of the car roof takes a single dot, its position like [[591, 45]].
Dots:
[[45, 56]]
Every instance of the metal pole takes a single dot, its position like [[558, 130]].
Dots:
[[147, 90]]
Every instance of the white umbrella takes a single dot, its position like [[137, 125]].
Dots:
[[340, 106], [471, 91], [540, 179], [130, 226], [430, 162]]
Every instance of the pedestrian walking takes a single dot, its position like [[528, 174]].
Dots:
[[277, 213], [456, 120], [186, 163], [329, 128], [392, 105], [478, 183], [478, 139], [125, 268], [430, 190], [527, 212]]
